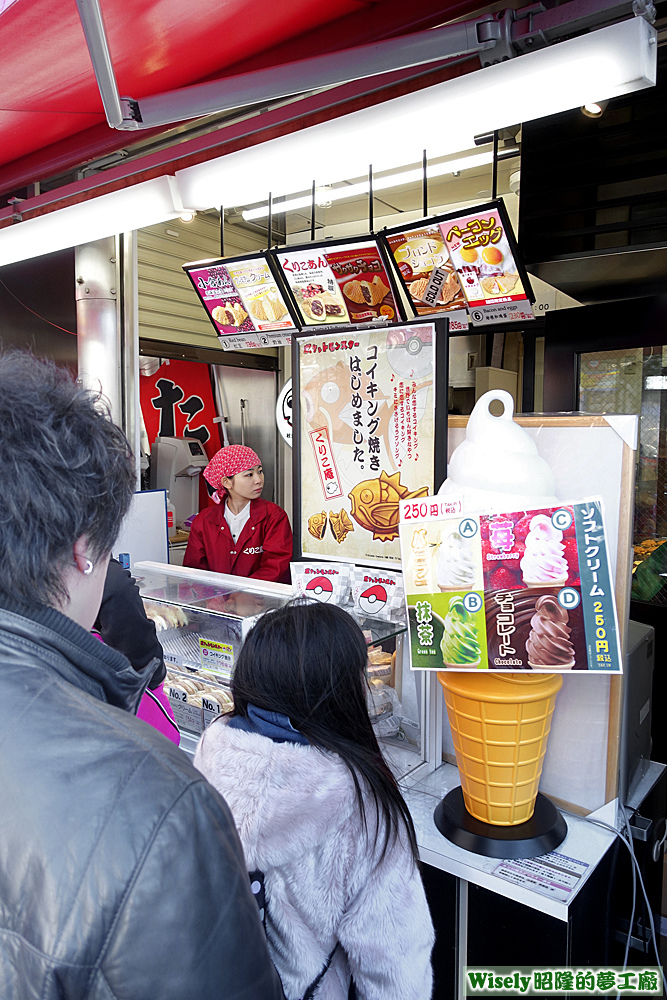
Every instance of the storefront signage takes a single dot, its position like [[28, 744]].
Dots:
[[366, 438], [526, 590], [463, 265], [244, 301], [340, 284]]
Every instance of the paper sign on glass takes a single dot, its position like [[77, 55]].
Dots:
[[526, 590]]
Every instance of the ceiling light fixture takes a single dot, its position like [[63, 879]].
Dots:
[[594, 109], [187, 216], [119, 211], [615, 60], [379, 184]]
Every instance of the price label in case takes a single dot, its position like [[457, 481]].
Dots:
[[172, 659], [216, 656]]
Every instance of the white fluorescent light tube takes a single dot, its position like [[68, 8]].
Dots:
[[379, 184], [130, 208], [444, 118]]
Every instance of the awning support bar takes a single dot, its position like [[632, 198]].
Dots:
[[90, 16], [493, 37]]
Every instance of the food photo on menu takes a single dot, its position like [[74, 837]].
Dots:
[[462, 264], [344, 283], [243, 300]]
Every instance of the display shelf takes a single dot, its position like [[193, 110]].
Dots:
[[585, 844]]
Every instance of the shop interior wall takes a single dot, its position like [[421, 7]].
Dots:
[[38, 308], [171, 313]]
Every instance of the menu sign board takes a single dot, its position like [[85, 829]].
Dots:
[[367, 404], [243, 300], [345, 283], [463, 261], [526, 590]]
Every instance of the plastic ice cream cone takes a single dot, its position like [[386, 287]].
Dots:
[[500, 726]]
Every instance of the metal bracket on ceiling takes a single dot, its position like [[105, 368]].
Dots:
[[492, 37]]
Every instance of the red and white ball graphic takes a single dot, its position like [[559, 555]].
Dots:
[[373, 600], [320, 587]]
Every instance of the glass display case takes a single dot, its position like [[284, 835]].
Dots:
[[202, 619]]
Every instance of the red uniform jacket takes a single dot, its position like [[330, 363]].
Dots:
[[263, 549]]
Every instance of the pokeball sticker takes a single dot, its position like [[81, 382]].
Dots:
[[373, 600], [320, 587]]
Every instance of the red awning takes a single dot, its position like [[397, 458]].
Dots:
[[51, 116]]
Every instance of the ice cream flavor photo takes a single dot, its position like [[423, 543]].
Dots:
[[455, 567], [543, 563], [548, 645], [460, 645]]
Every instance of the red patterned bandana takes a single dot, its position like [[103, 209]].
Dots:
[[227, 463]]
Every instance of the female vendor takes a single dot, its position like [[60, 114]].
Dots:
[[242, 534]]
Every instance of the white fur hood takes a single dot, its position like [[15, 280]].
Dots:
[[327, 882], [286, 780]]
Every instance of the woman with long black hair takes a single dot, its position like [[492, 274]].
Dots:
[[319, 812]]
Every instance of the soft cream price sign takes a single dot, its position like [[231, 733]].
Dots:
[[524, 590]]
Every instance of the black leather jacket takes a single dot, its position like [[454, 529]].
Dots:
[[121, 873]]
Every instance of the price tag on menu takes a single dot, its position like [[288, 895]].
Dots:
[[430, 508], [217, 657]]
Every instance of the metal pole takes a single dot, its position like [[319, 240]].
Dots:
[[222, 231], [270, 232], [129, 343], [312, 214], [424, 184], [98, 329], [494, 172], [370, 198]]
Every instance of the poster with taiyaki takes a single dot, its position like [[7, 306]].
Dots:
[[366, 437], [344, 283], [526, 590], [244, 302]]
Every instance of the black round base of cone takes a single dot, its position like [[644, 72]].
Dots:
[[543, 832]]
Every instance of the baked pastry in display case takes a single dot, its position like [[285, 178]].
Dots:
[[202, 619]]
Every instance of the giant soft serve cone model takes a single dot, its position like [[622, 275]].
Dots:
[[500, 726], [500, 722], [497, 466]]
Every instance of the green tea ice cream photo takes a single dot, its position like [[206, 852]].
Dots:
[[460, 641]]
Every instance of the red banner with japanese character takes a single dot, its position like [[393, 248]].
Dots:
[[177, 401]]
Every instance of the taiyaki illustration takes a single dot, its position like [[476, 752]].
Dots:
[[378, 290], [354, 291], [451, 288], [340, 524], [315, 309], [257, 309], [224, 315], [375, 504], [417, 288], [240, 315], [317, 525]]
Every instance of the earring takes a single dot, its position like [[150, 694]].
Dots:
[[89, 568]]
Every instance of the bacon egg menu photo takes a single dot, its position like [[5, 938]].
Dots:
[[525, 590]]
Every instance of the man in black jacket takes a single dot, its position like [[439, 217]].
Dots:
[[121, 873]]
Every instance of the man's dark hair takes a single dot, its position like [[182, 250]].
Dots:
[[65, 471]]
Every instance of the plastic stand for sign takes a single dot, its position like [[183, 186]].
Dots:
[[543, 832]]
